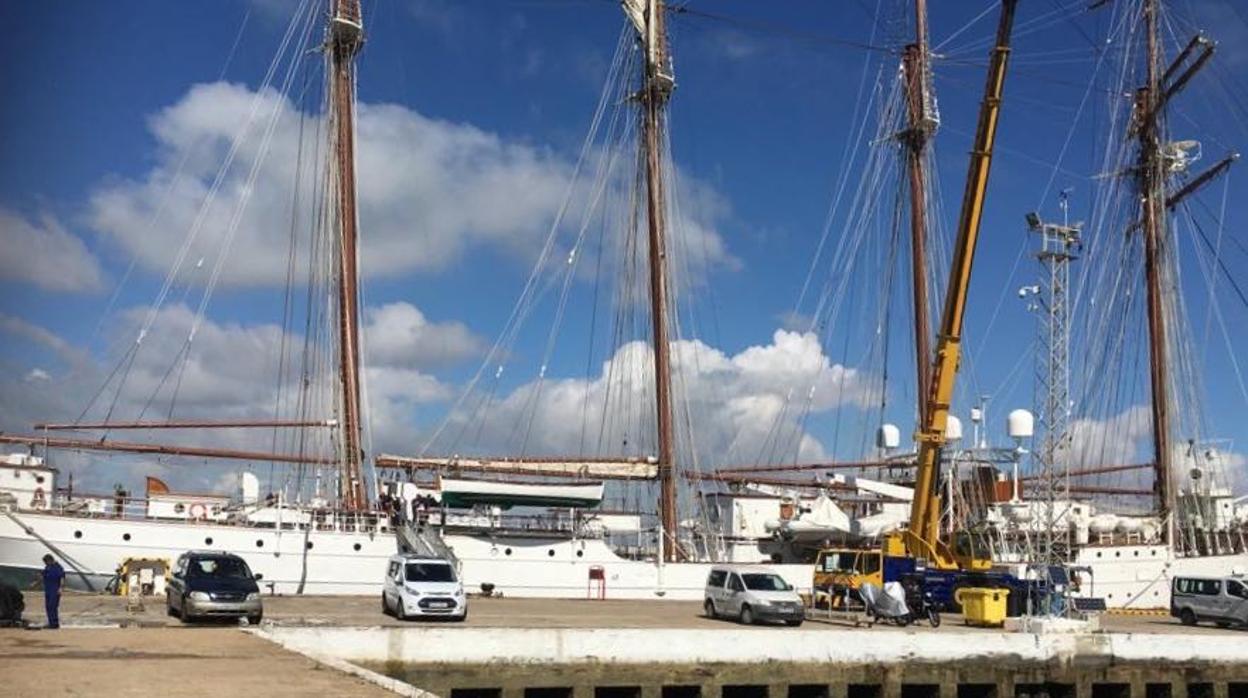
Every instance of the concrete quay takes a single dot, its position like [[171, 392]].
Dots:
[[526, 648]]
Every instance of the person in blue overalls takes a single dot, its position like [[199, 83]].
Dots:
[[53, 579]]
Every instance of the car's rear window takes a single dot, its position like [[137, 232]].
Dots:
[[430, 572]]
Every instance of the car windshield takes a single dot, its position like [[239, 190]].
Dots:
[[429, 572], [220, 567], [838, 562], [765, 582]]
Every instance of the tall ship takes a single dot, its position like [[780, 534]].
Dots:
[[641, 511]]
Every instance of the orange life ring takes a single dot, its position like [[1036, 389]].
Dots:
[[198, 511]]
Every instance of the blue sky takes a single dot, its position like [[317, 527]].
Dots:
[[759, 121]]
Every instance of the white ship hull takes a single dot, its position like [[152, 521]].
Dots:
[[91, 549], [522, 566], [537, 567], [1139, 576]]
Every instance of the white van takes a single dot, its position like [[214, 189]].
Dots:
[[418, 585], [751, 594], [1223, 600]]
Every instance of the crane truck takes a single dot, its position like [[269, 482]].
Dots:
[[917, 548]]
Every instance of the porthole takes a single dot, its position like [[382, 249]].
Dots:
[[356, 547], [259, 543], [1154, 553], [580, 553], [77, 534], [125, 536], [208, 541], [1137, 553], [550, 553], [179, 508], [1117, 553], [308, 545], [39, 479], [1098, 553], [507, 551]]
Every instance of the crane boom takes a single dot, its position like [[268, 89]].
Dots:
[[921, 539]]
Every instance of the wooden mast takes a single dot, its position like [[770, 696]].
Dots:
[[345, 38], [1152, 196], [657, 83], [920, 127]]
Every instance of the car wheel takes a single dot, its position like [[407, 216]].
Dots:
[[1187, 617], [709, 609], [462, 618], [933, 616], [399, 613], [255, 620], [793, 623], [747, 616], [169, 609], [183, 614], [385, 605], [1224, 624]]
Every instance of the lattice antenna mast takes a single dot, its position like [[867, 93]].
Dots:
[[1058, 245], [344, 39]]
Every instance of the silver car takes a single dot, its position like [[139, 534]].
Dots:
[[1222, 600]]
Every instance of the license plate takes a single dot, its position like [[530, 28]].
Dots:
[[441, 604]]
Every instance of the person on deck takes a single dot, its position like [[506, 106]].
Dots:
[[53, 579]]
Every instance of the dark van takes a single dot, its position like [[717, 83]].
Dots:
[[208, 584]]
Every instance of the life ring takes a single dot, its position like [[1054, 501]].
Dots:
[[198, 511], [37, 499]]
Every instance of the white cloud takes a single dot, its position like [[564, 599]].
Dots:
[[736, 404], [398, 334], [429, 190], [46, 255], [229, 373]]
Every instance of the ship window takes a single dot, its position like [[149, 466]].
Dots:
[[208, 541], [125, 536], [1098, 553], [1137, 553], [259, 543], [356, 546], [39, 479], [551, 552], [179, 508], [580, 553], [507, 551], [1117, 553], [308, 545], [77, 534]]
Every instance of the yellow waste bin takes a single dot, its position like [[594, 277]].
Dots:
[[982, 606]]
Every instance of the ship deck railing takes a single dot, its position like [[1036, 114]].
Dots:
[[300, 517]]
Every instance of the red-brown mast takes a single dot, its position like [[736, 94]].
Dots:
[[920, 127], [345, 38], [1151, 183]]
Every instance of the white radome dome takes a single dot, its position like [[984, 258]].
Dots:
[[953, 429], [888, 436], [1020, 424]]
